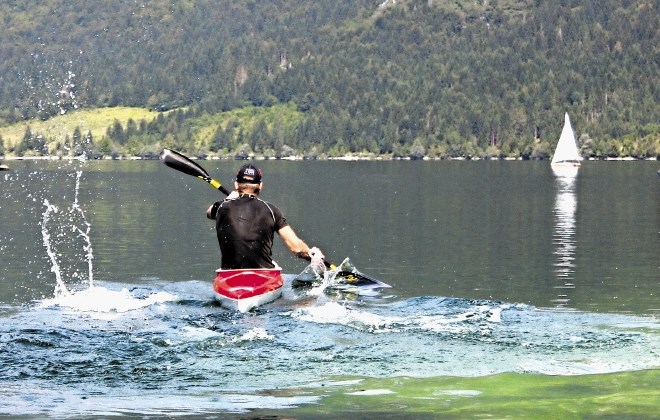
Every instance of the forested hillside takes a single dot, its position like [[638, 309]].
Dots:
[[438, 78]]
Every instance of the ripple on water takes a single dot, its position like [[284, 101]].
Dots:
[[161, 347]]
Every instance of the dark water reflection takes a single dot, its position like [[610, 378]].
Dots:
[[509, 231]]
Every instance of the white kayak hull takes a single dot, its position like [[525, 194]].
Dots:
[[243, 290]]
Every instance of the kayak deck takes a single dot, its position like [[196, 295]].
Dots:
[[245, 289]]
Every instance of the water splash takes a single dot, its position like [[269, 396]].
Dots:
[[332, 281], [84, 234], [102, 301], [67, 94], [56, 234], [471, 319], [63, 231], [50, 86], [60, 287]]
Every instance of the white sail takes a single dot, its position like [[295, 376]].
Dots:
[[566, 151]]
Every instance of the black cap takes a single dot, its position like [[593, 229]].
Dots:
[[249, 174]]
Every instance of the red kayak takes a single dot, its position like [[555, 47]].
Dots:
[[245, 289]]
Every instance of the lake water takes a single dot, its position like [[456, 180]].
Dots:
[[497, 268]]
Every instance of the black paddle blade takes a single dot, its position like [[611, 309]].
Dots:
[[358, 279], [342, 276], [182, 164], [354, 277]]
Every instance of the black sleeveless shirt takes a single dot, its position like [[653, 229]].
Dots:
[[245, 228]]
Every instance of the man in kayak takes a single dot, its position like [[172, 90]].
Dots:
[[246, 225]]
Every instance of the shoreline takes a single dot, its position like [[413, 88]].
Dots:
[[348, 158]]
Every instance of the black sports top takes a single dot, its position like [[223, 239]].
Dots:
[[245, 228]]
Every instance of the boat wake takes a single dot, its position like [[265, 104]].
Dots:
[[458, 322], [98, 299], [463, 337], [171, 339]]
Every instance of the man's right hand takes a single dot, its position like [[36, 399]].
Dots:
[[317, 256]]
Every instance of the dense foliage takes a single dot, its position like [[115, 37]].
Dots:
[[400, 78]]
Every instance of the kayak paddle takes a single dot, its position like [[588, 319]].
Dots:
[[183, 164], [352, 277], [356, 278]]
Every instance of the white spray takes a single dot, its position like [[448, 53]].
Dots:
[[83, 232]]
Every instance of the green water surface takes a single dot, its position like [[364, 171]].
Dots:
[[623, 395]]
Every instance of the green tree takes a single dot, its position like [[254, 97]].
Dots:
[[500, 74], [259, 138], [77, 146]]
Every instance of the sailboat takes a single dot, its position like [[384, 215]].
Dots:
[[566, 153]]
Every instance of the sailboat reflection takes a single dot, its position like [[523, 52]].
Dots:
[[564, 233]]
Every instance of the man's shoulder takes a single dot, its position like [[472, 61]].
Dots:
[[272, 208], [268, 203]]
